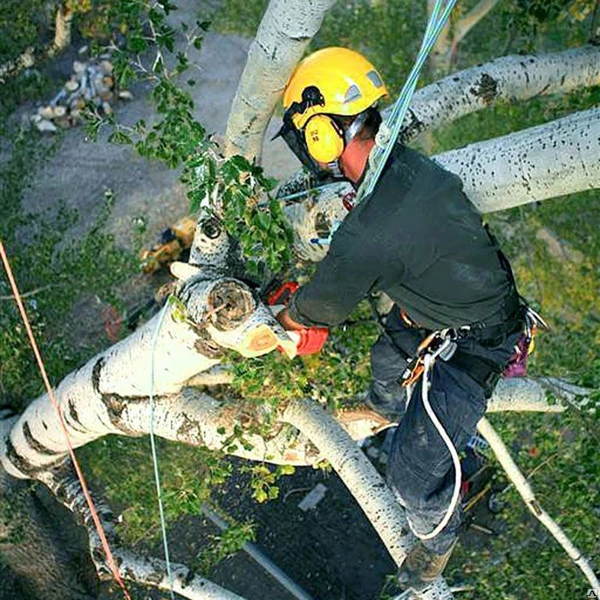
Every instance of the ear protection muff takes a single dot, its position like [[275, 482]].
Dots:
[[324, 139]]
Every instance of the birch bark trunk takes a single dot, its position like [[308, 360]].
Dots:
[[284, 33]]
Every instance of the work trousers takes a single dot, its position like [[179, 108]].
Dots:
[[420, 469]]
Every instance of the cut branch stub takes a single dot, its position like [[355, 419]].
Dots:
[[229, 305], [211, 246]]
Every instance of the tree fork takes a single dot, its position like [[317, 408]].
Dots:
[[93, 399]]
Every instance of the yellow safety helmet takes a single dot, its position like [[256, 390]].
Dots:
[[331, 82]]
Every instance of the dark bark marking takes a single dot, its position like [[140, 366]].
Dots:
[[188, 579], [35, 444], [155, 577], [21, 463], [412, 129], [74, 416], [96, 371], [206, 346], [115, 405], [486, 88], [188, 427]]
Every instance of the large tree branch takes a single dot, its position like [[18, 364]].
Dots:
[[220, 313], [522, 486], [509, 79], [146, 571], [558, 158], [366, 485], [284, 33]]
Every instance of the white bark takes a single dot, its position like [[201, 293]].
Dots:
[[439, 58], [522, 486], [508, 79], [454, 32], [543, 162], [366, 485], [62, 40], [14, 67], [93, 399], [284, 33], [110, 393]]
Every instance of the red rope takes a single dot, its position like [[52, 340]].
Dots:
[[109, 556]]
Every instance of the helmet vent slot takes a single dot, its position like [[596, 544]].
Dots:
[[375, 79], [352, 94]]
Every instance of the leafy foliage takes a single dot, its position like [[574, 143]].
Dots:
[[22, 26], [233, 189]]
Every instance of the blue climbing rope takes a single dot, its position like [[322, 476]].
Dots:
[[390, 130]]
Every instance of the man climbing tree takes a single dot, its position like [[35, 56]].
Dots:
[[418, 239]]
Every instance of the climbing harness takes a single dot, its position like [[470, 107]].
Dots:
[[390, 130], [443, 345], [93, 512], [438, 344]]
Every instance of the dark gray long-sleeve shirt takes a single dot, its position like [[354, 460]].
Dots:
[[420, 240]]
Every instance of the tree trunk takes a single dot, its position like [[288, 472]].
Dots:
[[62, 29], [284, 33], [146, 571], [439, 58]]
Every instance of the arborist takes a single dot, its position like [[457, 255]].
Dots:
[[419, 239]]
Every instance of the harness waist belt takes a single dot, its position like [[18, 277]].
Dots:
[[485, 372]]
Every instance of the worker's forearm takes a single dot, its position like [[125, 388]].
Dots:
[[287, 322]]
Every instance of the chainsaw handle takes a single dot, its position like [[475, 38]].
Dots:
[[283, 293]]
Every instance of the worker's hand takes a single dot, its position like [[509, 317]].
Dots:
[[309, 340]]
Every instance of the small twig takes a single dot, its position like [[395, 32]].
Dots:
[[594, 28], [296, 491], [32, 292], [466, 23], [524, 489]]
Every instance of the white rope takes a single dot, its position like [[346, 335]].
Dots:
[[428, 362], [161, 512]]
